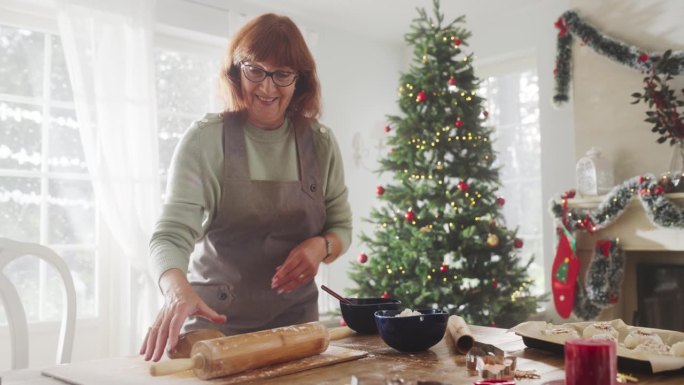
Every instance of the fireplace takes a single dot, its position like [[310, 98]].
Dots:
[[660, 296], [652, 292]]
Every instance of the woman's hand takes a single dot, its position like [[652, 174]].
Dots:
[[300, 266], [180, 302]]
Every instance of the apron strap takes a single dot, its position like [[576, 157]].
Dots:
[[308, 161], [234, 147]]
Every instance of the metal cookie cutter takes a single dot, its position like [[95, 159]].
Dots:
[[490, 362]]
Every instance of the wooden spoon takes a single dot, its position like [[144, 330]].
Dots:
[[341, 298]]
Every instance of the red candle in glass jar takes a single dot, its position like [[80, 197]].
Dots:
[[590, 362]]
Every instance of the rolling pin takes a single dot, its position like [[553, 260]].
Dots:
[[224, 356]]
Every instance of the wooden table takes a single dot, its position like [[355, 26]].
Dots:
[[384, 365]]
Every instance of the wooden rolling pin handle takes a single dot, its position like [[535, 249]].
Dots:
[[339, 332], [176, 365]]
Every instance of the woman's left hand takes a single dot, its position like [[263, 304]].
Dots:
[[300, 266]]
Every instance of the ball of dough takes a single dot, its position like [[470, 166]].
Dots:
[[599, 328]]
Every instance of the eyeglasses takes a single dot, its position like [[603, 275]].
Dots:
[[257, 74]]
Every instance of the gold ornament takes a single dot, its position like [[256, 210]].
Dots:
[[440, 166], [492, 240]]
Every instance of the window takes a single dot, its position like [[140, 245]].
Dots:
[[45, 191], [513, 105], [186, 89]]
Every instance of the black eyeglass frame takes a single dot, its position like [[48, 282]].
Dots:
[[267, 74]]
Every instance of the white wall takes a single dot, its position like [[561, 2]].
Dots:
[[360, 78], [602, 88]]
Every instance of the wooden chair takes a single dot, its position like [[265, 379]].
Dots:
[[16, 316]]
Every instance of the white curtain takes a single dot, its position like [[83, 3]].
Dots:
[[109, 54]]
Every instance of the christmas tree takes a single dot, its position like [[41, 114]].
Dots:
[[439, 236]]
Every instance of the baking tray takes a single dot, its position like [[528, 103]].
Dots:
[[625, 364], [532, 337]]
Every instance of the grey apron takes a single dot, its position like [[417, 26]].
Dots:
[[257, 224]]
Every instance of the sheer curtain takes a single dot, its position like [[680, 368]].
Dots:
[[109, 54]]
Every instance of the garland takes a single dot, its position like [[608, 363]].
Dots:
[[660, 210], [661, 67], [602, 281]]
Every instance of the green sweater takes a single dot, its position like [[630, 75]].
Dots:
[[194, 185]]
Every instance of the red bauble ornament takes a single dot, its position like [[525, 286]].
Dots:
[[363, 258], [518, 243], [410, 216], [494, 283], [387, 129], [658, 190], [501, 201], [555, 72], [485, 113], [342, 323], [444, 268], [451, 81], [385, 295], [457, 41], [421, 96], [380, 190], [463, 185], [459, 123]]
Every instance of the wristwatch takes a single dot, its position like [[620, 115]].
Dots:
[[328, 246]]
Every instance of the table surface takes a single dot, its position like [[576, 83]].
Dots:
[[386, 366]]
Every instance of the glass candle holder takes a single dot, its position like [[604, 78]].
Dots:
[[590, 362]]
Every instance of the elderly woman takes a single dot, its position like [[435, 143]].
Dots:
[[256, 198]]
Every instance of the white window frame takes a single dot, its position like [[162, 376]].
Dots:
[[518, 62]]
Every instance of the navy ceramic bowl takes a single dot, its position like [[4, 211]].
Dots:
[[413, 333], [360, 315]]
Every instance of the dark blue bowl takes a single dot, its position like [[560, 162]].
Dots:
[[359, 316], [412, 333]]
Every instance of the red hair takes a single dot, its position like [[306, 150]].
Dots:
[[275, 40]]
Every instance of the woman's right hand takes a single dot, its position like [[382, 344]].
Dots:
[[180, 302]]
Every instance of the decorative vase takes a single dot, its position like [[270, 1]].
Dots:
[[676, 172], [594, 174]]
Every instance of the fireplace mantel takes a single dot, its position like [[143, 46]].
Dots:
[[642, 241], [634, 229]]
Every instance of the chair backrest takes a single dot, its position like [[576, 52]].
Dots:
[[16, 316]]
